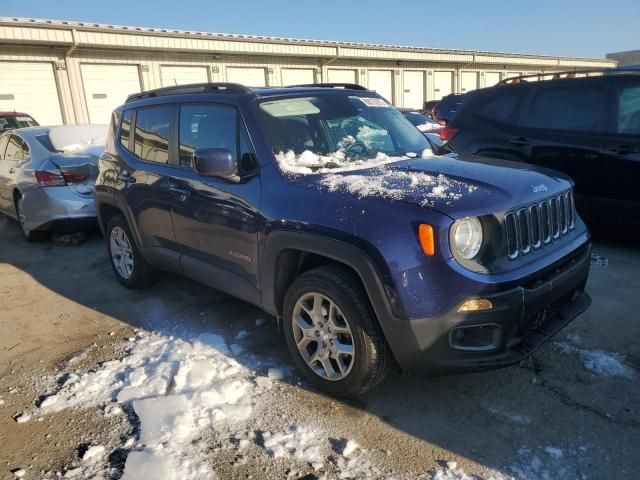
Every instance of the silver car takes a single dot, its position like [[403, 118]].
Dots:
[[47, 176]]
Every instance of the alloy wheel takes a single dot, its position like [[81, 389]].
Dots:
[[121, 252], [323, 336]]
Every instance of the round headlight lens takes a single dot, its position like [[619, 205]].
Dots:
[[467, 236]]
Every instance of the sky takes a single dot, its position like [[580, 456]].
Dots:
[[586, 28]]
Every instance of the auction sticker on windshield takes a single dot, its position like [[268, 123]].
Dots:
[[373, 102]]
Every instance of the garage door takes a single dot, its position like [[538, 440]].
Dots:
[[173, 75], [382, 82], [30, 88], [249, 76], [342, 76], [491, 78], [468, 81], [442, 84], [297, 76], [106, 87], [413, 91]]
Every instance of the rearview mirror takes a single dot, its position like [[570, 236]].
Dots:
[[214, 162]]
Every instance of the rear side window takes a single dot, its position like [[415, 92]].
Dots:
[[151, 138], [501, 106], [213, 126], [575, 108], [629, 111], [125, 128], [17, 149]]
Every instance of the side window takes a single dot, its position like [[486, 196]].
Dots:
[[17, 149], [151, 137], [3, 145], [212, 126], [575, 108], [125, 128], [500, 107], [629, 111]]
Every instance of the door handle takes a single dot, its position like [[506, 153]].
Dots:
[[181, 193], [126, 177], [523, 142]]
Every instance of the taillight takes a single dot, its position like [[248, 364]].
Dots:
[[448, 133], [49, 179], [71, 178]]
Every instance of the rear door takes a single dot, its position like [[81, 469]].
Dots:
[[562, 127], [621, 159], [142, 174], [216, 221], [16, 153], [4, 173]]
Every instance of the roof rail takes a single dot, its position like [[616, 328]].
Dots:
[[569, 74], [190, 88], [346, 86]]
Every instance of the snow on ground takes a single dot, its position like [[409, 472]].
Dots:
[[599, 361]]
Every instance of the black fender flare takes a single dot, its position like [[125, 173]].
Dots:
[[337, 250], [115, 200]]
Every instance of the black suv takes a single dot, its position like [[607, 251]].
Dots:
[[327, 208], [588, 128]]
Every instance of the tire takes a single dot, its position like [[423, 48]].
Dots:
[[370, 358], [31, 236], [131, 270]]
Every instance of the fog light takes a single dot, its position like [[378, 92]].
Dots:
[[476, 305]]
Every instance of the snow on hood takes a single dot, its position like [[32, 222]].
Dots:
[[73, 138], [427, 127]]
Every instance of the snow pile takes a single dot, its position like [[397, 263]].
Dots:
[[300, 443], [73, 138], [395, 185], [452, 472], [600, 362], [177, 389]]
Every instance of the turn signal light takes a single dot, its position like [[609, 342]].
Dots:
[[427, 239], [476, 305]]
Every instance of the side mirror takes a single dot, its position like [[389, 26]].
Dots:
[[214, 162]]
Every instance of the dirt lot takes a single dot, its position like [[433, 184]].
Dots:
[[574, 413]]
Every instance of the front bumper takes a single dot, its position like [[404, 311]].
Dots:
[[522, 318]]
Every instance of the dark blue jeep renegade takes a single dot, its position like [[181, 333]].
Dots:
[[324, 206]]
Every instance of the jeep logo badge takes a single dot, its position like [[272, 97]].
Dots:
[[539, 188]]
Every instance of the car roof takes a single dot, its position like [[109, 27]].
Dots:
[[14, 114]]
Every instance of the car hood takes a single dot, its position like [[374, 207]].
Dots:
[[455, 186]]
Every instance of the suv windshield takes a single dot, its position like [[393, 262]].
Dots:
[[339, 127]]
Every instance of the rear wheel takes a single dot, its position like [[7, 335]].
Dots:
[[28, 234], [332, 333], [130, 268]]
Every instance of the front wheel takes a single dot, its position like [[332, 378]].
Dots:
[[130, 268], [332, 333]]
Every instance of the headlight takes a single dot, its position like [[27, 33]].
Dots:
[[467, 235]]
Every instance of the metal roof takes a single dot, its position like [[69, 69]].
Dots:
[[163, 32]]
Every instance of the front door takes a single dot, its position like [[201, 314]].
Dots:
[[216, 221]]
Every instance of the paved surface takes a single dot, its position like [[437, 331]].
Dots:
[[559, 419]]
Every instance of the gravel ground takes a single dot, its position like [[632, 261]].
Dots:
[[571, 413]]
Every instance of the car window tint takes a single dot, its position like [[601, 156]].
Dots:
[[3, 145], [501, 106], [17, 149], [574, 108], [151, 136], [207, 126], [125, 128], [629, 110]]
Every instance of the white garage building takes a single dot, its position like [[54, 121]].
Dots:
[[72, 72]]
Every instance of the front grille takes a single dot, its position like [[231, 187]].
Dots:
[[534, 226]]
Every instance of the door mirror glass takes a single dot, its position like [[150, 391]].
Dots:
[[214, 162]]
